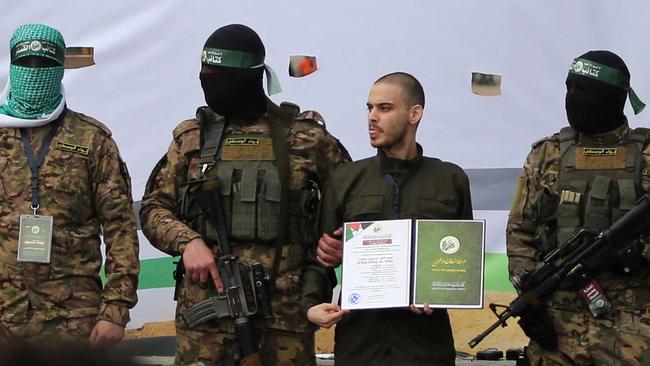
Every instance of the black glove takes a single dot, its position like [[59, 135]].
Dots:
[[629, 259], [537, 325]]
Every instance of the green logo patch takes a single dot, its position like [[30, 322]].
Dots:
[[65, 146]]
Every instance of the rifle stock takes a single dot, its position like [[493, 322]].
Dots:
[[570, 261]]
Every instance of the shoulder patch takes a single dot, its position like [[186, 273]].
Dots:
[[553, 137], [311, 116], [640, 134], [187, 125], [84, 118], [292, 108]]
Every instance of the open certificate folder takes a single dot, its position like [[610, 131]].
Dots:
[[394, 263]]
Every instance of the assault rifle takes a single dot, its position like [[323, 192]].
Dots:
[[579, 258], [245, 291]]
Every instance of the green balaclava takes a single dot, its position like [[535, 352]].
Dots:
[[34, 91]]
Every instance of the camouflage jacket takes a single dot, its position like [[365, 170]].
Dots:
[[313, 154], [540, 172], [85, 186]]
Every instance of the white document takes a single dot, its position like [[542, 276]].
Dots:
[[376, 264]]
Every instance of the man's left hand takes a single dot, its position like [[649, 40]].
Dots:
[[106, 334], [329, 251], [415, 310]]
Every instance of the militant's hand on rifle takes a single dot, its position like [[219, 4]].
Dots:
[[538, 326], [578, 260], [199, 263]]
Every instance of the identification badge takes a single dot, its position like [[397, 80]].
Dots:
[[35, 238]]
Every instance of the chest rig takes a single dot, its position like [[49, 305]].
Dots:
[[252, 171], [599, 180]]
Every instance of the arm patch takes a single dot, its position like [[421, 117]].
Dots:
[[154, 173], [312, 116]]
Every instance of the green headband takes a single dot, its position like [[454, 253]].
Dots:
[[229, 58], [38, 47], [241, 60], [608, 75]]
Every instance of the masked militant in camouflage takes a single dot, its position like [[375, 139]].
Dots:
[[83, 185], [244, 161], [586, 176]]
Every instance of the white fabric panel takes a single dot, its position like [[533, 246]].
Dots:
[[495, 229], [154, 305], [147, 54]]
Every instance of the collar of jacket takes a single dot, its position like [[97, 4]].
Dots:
[[397, 166]]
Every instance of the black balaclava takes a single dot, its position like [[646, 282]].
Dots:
[[593, 106], [234, 91]]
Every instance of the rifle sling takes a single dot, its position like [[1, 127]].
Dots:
[[281, 152], [210, 142]]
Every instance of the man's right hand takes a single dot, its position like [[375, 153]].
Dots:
[[199, 263], [329, 252], [325, 315]]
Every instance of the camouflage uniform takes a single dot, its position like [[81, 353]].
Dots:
[[622, 337], [288, 338], [85, 186]]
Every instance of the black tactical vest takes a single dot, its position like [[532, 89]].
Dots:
[[599, 180], [246, 167]]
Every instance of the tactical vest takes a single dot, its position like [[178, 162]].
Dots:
[[598, 182], [249, 173]]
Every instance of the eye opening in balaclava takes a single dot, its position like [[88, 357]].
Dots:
[[35, 73], [232, 70], [597, 86]]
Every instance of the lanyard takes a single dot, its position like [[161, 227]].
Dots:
[[35, 163]]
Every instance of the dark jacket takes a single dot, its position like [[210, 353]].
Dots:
[[424, 188]]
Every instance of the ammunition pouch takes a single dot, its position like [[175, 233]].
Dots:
[[597, 185], [190, 210], [544, 216], [253, 217]]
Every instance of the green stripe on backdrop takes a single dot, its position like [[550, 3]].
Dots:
[[157, 273], [154, 273]]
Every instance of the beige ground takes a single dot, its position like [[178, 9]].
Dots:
[[465, 323]]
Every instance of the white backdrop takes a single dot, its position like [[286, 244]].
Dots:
[[147, 55]]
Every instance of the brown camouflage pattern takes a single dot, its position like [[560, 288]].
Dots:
[[277, 347], [313, 154], [622, 337], [59, 330], [87, 194]]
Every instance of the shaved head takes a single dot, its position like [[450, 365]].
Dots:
[[414, 93]]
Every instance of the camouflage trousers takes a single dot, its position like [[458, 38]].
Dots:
[[278, 348], [55, 329], [622, 338]]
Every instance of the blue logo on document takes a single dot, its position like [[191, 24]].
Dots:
[[354, 298]]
